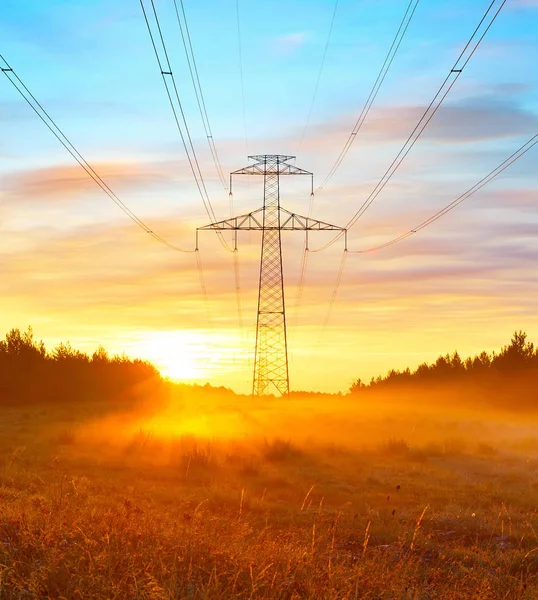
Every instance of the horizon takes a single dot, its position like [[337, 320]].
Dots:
[[518, 343]]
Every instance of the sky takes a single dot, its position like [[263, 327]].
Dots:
[[76, 268]]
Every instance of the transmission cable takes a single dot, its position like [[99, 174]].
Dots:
[[238, 290], [240, 49], [68, 145], [521, 151], [193, 160], [334, 294], [316, 87], [300, 286], [237, 284], [427, 116], [195, 78], [203, 286], [396, 42]]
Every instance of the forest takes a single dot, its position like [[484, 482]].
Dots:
[[508, 377], [29, 373]]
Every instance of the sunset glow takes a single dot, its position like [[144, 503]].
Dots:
[[269, 299], [76, 268], [174, 353]]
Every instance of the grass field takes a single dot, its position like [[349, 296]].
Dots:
[[209, 496]]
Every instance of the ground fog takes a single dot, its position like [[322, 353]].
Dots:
[[185, 492]]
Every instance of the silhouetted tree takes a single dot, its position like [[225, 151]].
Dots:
[[514, 369], [516, 356], [23, 345], [357, 386], [29, 373]]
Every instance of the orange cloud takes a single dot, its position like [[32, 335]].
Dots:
[[112, 284], [65, 182]]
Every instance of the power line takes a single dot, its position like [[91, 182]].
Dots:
[[68, 145], [300, 286], [176, 118], [239, 304], [185, 137], [521, 151], [235, 256], [238, 288], [195, 78], [240, 48], [197, 86], [307, 123], [402, 29], [403, 153], [334, 294], [427, 116], [203, 286]]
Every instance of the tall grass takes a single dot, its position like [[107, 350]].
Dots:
[[151, 517]]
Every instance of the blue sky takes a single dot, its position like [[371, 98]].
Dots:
[[77, 268]]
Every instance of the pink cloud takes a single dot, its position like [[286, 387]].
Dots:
[[64, 182], [475, 119]]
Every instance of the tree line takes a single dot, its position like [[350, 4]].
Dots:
[[30, 373], [516, 362]]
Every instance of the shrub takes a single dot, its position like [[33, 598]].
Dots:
[[279, 450]]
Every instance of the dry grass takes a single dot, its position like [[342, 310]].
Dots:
[[141, 515]]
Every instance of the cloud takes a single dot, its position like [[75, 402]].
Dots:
[[103, 273], [524, 4], [495, 90], [119, 280], [67, 182], [470, 255], [287, 44], [514, 199], [475, 119], [115, 265]]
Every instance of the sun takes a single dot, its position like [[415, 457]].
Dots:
[[195, 356], [175, 353], [180, 368]]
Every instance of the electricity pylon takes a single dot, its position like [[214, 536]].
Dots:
[[271, 354]]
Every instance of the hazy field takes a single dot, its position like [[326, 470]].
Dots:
[[216, 496]]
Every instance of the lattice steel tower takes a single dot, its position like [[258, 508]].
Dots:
[[271, 353]]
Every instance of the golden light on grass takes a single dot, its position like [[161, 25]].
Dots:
[[282, 498], [171, 424]]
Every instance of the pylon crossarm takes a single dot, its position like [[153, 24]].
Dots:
[[294, 222], [271, 164], [277, 169], [248, 221], [254, 221]]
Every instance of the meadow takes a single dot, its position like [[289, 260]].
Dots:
[[193, 492]]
